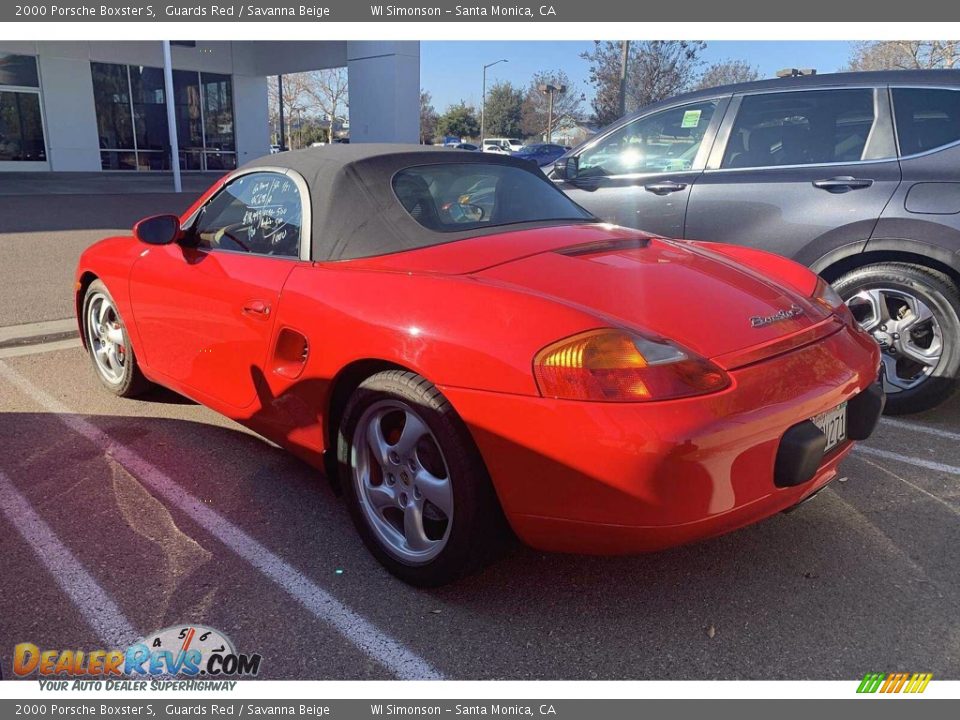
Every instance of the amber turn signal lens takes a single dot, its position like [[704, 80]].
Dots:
[[828, 298], [618, 366]]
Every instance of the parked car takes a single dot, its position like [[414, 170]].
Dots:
[[451, 364], [274, 149], [542, 154], [501, 145], [855, 175], [466, 146]]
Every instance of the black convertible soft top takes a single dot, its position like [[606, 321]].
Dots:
[[354, 210]]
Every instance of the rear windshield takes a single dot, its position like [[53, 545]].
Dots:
[[453, 197]]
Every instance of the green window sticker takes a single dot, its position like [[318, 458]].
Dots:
[[691, 119]]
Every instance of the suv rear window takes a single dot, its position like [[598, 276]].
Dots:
[[927, 118], [807, 127], [449, 197]]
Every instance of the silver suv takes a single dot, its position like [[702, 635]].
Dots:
[[856, 175]]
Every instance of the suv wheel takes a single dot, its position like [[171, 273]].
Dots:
[[914, 315]]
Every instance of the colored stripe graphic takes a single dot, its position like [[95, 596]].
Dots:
[[894, 683], [870, 683]]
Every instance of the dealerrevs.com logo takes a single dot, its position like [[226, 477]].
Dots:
[[181, 657]]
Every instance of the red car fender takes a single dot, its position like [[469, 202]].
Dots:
[[109, 260], [441, 332]]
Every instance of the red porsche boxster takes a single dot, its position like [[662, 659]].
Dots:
[[461, 346]]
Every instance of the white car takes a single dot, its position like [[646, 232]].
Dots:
[[504, 146]]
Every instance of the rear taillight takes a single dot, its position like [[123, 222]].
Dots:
[[613, 365], [827, 297]]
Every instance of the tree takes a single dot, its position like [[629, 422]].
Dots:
[[460, 121], [727, 72], [536, 104], [321, 94], [656, 69], [330, 94], [294, 99], [428, 118], [905, 55], [503, 110]]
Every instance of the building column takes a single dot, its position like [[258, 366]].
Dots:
[[69, 112], [251, 117], [384, 84]]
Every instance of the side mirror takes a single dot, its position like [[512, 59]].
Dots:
[[158, 230], [566, 168]]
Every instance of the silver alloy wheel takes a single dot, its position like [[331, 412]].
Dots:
[[907, 331], [402, 481], [106, 338]]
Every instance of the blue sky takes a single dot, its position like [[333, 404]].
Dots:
[[452, 71]]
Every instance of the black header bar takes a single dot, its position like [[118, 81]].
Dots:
[[578, 11]]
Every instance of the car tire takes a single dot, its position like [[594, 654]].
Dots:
[[903, 286], [108, 344], [387, 475]]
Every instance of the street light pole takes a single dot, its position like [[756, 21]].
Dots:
[[282, 140], [483, 101], [171, 117], [550, 90], [624, 60]]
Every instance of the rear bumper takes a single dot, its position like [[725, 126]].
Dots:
[[801, 452], [620, 478]]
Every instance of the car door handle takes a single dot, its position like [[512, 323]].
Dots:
[[665, 188], [842, 184], [257, 307]]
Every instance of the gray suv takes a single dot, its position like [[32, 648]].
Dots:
[[856, 175]]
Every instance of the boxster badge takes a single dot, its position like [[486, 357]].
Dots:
[[759, 321]]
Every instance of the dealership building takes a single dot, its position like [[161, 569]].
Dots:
[[89, 106]]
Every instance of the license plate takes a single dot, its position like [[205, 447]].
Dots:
[[833, 424]]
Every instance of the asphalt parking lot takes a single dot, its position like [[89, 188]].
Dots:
[[119, 517], [44, 226]]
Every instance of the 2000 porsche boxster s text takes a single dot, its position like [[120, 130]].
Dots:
[[457, 342]]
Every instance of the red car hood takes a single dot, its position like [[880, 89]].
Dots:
[[675, 289]]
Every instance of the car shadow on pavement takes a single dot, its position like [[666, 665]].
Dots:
[[163, 396]]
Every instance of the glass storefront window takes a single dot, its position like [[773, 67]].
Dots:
[[125, 160], [19, 70], [221, 161], [186, 95], [21, 123], [218, 111], [111, 95], [132, 116], [149, 108], [21, 128]]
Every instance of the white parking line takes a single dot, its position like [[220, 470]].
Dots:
[[93, 602], [37, 329], [904, 425], [909, 460], [916, 487], [21, 350], [376, 644]]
